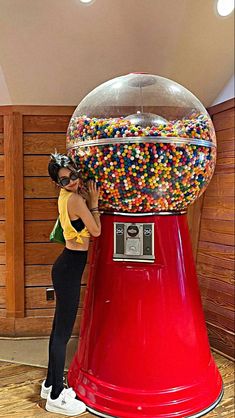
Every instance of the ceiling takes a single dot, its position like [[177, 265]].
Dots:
[[56, 51]]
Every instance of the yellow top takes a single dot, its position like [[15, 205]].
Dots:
[[68, 230]]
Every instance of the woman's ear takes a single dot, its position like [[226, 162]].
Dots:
[[56, 184]]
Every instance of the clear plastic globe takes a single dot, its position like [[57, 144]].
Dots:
[[148, 142]]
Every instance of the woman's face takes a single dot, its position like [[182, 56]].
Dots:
[[74, 184]]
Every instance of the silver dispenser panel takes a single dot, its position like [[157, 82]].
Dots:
[[133, 242]]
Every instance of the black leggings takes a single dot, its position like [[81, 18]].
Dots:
[[66, 277]]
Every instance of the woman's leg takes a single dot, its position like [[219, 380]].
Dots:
[[66, 276], [66, 311], [48, 381]]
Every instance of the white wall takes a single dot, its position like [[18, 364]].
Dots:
[[226, 94], [5, 98], [55, 52]]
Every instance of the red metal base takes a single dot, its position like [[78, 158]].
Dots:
[[143, 348]]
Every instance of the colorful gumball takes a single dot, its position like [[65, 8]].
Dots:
[[144, 162]]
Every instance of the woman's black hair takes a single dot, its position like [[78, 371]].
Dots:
[[59, 161]]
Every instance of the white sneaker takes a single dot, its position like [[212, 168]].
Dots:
[[45, 391], [65, 404]]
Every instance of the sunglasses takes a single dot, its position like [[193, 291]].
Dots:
[[64, 181]]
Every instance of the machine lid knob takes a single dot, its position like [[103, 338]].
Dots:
[[132, 230]]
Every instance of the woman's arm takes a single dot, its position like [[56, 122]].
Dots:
[[77, 206]]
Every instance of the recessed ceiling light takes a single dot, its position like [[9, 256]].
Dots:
[[86, 1], [225, 7]]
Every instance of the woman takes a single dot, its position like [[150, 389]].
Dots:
[[79, 220]]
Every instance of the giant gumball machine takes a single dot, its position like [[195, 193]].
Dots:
[[143, 347]]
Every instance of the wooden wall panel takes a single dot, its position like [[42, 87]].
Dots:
[[221, 185], [2, 187], [14, 201], [38, 231], [46, 123], [1, 142], [1, 165], [2, 274], [225, 161], [2, 297], [218, 207], [45, 312], [215, 272], [36, 298], [40, 275], [44, 144], [220, 294], [42, 135], [7, 325], [41, 312], [217, 230], [36, 326], [218, 316], [39, 187], [225, 140], [41, 253], [2, 225], [2, 209], [194, 221], [224, 120], [44, 130], [2, 253], [40, 110], [35, 165], [40, 209], [2, 312], [2, 231], [221, 339], [215, 256]]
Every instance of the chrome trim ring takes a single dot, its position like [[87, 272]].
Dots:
[[183, 212], [199, 414], [205, 411], [143, 139], [100, 414], [134, 260]]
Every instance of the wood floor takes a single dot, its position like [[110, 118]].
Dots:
[[20, 388]]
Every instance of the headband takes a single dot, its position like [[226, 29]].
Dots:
[[60, 159]]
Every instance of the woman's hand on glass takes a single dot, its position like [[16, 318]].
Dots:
[[93, 194], [83, 191]]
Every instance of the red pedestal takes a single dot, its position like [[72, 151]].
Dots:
[[143, 347]]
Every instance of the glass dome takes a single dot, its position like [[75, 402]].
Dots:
[[147, 141]]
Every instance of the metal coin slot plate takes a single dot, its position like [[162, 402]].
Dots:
[[133, 242]]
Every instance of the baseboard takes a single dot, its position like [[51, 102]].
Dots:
[[32, 351]]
